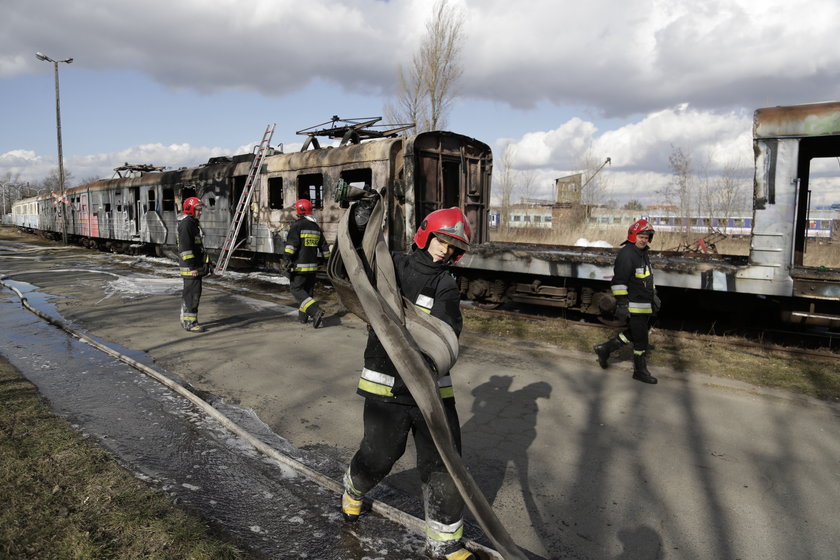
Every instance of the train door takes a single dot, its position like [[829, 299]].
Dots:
[[817, 167], [437, 182], [134, 206], [84, 215], [453, 170]]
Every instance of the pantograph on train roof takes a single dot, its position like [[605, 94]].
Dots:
[[351, 131]]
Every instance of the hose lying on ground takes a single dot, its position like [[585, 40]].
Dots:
[[389, 512], [410, 334]]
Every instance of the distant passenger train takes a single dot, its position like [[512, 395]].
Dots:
[[736, 226], [432, 170]]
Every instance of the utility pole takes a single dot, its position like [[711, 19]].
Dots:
[[42, 56]]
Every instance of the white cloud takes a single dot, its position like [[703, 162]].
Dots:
[[666, 74]]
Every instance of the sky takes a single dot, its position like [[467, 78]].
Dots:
[[561, 84]]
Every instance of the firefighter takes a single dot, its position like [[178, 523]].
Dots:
[[636, 299], [390, 411], [305, 247], [194, 262]]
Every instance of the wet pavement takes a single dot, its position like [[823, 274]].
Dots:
[[163, 438], [578, 462]]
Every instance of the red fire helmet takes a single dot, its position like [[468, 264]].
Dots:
[[448, 224], [303, 207], [640, 226]]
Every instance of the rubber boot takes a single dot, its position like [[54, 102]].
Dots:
[[448, 551], [640, 370], [352, 503], [351, 508], [604, 350], [303, 318]]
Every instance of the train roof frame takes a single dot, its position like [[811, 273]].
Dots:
[[797, 121]]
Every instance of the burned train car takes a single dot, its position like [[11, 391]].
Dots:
[[416, 174], [432, 170], [791, 146]]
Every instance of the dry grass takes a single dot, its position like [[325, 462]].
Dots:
[[729, 357], [64, 498], [822, 253], [818, 253]]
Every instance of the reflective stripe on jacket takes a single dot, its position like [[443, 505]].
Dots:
[[190, 239], [306, 245], [382, 384], [633, 279], [433, 289]]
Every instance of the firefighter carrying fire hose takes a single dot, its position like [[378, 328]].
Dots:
[[390, 411], [305, 248], [636, 300], [193, 261]]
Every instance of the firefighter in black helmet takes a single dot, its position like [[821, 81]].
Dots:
[[636, 299], [194, 262], [305, 247]]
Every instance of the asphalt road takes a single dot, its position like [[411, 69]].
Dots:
[[578, 462]]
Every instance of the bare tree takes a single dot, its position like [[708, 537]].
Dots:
[[52, 183], [505, 183], [408, 107], [525, 183], [722, 194], [426, 88], [679, 191], [732, 189]]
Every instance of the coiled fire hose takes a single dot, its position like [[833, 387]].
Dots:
[[410, 334]]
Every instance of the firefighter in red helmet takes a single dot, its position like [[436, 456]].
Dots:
[[305, 248], [194, 262], [636, 299], [390, 412]]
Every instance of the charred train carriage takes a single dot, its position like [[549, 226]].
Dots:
[[421, 173]]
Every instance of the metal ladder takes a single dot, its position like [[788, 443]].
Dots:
[[244, 200]]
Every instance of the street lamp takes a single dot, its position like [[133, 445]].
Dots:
[[42, 56]]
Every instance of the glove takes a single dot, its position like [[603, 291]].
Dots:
[[285, 266], [622, 311], [362, 211], [657, 304]]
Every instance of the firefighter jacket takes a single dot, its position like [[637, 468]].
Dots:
[[304, 243], [191, 253], [633, 279], [432, 288]]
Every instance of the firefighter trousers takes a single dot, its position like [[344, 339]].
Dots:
[[637, 332], [189, 300], [302, 286], [386, 429]]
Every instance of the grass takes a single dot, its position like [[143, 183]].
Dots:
[[65, 498], [821, 252], [727, 357]]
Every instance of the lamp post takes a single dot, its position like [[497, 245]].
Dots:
[[42, 56]]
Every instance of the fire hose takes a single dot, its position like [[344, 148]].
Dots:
[[362, 274]]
